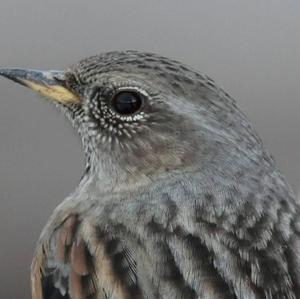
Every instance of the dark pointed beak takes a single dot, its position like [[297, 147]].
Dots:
[[51, 84]]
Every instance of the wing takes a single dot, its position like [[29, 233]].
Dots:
[[173, 248], [218, 246], [80, 262], [138, 255], [225, 248]]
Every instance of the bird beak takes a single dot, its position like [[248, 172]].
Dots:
[[51, 84]]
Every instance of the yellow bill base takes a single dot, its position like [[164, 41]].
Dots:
[[57, 93]]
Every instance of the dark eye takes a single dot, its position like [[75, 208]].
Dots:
[[127, 102]]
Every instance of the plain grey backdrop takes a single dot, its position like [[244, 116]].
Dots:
[[251, 48]]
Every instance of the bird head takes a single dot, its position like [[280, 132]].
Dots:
[[140, 114]]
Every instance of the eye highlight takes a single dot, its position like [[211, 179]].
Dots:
[[127, 102]]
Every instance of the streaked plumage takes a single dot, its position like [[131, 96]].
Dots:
[[179, 199]]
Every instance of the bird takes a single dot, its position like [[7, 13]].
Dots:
[[179, 197]]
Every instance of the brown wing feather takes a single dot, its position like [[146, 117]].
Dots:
[[79, 257], [76, 286], [36, 274], [65, 237], [117, 284], [78, 263]]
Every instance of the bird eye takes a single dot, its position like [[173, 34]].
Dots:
[[127, 102]]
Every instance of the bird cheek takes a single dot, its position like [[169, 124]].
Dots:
[[151, 156]]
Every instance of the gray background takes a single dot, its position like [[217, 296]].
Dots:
[[251, 48]]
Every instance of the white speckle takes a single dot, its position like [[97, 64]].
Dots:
[[127, 133], [93, 132], [103, 139]]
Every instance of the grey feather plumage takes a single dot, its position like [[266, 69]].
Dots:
[[180, 200]]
